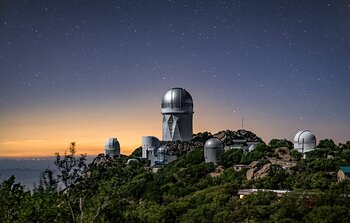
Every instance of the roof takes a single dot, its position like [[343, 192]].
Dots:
[[177, 99], [213, 143], [250, 191], [305, 136], [345, 169]]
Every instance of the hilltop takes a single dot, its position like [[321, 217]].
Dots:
[[188, 189]]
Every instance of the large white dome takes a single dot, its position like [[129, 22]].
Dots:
[[304, 141]]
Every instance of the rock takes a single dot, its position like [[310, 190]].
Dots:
[[255, 172], [283, 153], [99, 159], [283, 163], [253, 164], [263, 172], [220, 135], [250, 174]]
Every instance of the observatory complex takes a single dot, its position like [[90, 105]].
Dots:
[[177, 125]]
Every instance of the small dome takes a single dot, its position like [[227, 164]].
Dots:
[[112, 143], [213, 143], [305, 136], [213, 149], [177, 99], [304, 141], [112, 147]]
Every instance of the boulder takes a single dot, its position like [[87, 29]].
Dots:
[[283, 153], [263, 172], [250, 174]]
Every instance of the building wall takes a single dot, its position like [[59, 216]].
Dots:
[[177, 126], [149, 145]]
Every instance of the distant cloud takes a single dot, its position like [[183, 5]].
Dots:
[[34, 141], [7, 142], [10, 142]]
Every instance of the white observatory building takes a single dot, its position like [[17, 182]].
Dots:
[[112, 147], [153, 151], [177, 112], [150, 145], [213, 149], [304, 141]]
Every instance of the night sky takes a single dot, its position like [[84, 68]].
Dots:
[[85, 71]]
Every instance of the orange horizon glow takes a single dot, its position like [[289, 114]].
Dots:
[[43, 132]]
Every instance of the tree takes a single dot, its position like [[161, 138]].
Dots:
[[325, 214], [327, 143], [11, 197], [259, 152], [277, 143], [231, 157], [296, 156], [137, 152], [70, 169], [48, 181]]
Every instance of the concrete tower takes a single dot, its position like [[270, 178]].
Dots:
[[213, 149], [177, 111], [112, 147]]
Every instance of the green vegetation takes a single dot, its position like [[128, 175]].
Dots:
[[186, 190]]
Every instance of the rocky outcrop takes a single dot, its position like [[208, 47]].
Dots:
[[263, 172], [257, 171], [284, 164], [228, 136], [283, 153], [178, 148], [202, 137], [217, 172], [99, 159]]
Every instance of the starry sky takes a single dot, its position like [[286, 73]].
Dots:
[[85, 71]]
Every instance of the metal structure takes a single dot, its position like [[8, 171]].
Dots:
[[163, 156], [112, 148], [177, 112], [213, 149], [304, 141]]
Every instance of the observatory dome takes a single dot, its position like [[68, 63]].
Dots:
[[304, 141], [213, 149], [177, 100], [213, 143], [112, 147]]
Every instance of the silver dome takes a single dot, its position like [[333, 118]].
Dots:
[[177, 100], [112, 143], [112, 147], [213, 149], [213, 143]]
